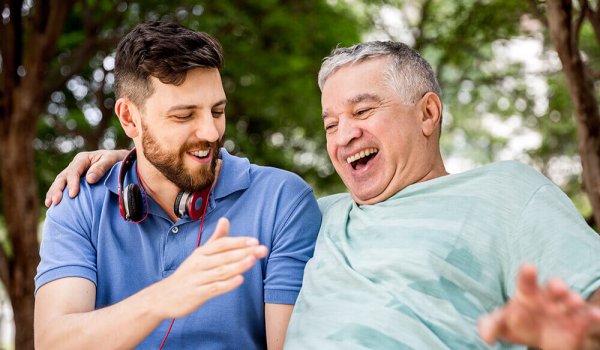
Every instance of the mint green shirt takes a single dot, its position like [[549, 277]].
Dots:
[[417, 270]]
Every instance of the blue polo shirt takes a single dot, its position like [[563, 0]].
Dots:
[[86, 237]]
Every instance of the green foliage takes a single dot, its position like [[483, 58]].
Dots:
[[273, 50]]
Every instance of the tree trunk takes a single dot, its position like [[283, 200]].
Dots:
[[24, 97], [581, 88], [21, 210]]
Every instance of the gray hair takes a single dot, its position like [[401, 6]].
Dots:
[[408, 73]]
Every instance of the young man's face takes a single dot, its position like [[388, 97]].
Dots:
[[375, 140], [182, 128]]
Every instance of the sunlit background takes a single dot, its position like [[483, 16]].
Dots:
[[504, 93]]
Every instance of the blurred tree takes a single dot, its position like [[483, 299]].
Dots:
[[564, 21], [503, 91], [56, 64]]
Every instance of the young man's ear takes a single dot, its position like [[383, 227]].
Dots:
[[431, 108], [128, 116]]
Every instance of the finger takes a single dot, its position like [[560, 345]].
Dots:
[[101, 162], [221, 245], [54, 194], [556, 291], [226, 271], [575, 302], [232, 256], [221, 287], [527, 285], [595, 313], [490, 326], [75, 170], [221, 230]]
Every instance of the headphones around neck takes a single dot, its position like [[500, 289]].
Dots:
[[131, 197]]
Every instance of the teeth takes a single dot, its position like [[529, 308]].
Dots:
[[200, 154], [361, 154]]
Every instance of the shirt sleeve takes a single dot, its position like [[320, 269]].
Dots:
[[552, 235], [293, 244], [67, 248]]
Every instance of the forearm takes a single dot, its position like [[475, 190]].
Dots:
[[277, 317], [120, 326]]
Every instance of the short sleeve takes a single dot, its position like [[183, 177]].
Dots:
[[293, 245], [552, 234], [67, 248]]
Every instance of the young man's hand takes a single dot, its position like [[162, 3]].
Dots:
[[213, 269]]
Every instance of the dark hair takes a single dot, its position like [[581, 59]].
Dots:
[[166, 51]]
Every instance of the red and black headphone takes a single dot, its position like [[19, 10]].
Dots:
[[131, 197]]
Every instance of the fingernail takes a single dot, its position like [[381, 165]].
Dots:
[[251, 241], [92, 177]]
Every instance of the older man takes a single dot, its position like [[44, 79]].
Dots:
[[412, 257]]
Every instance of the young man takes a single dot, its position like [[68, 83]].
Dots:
[[412, 257], [104, 282]]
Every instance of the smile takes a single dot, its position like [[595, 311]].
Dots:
[[200, 153], [361, 157]]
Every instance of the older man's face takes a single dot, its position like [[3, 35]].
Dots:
[[375, 140]]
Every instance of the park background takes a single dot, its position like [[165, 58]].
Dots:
[[519, 81]]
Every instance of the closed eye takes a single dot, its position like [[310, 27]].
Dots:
[[183, 117], [330, 127], [218, 114], [363, 111]]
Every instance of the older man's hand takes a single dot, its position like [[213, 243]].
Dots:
[[96, 163], [548, 316]]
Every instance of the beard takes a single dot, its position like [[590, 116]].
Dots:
[[171, 164]]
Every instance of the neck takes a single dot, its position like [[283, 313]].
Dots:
[[158, 187]]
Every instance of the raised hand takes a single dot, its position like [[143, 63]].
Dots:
[[213, 269], [98, 163], [548, 316]]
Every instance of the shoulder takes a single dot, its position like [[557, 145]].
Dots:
[[275, 178], [237, 173], [508, 175], [333, 201], [90, 196]]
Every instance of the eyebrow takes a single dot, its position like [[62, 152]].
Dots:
[[364, 97], [358, 99], [182, 107]]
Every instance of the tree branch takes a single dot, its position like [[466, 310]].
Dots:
[[12, 54], [583, 94], [421, 40], [78, 59], [577, 26], [594, 18]]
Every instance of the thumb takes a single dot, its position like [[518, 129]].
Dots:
[[222, 230]]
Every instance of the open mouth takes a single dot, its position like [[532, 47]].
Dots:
[[360, 159], [200, 154]]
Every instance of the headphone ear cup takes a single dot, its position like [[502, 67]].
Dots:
[[132, 201], [178, 206]]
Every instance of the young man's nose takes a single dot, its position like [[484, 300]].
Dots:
[[206, 129]]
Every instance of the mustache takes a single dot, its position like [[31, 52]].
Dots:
[[214, 146]]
